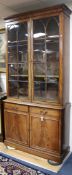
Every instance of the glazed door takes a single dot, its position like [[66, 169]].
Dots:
[[16, 127], [18, 57], [46, 59], [44, 133]]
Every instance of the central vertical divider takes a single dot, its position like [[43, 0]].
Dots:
[[30, 57]]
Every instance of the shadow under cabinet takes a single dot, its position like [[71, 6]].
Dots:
[[2, 97]]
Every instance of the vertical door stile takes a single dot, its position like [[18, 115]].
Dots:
[[7, 87], [31, 62], [29, 55], [17, 64], [61, 22]]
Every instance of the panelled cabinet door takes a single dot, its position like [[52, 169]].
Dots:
[[44, 133], [17, 127]]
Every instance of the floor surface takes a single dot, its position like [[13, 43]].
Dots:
[[28, 158]]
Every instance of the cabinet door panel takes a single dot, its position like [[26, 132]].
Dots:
[[44, 133], [17, 127]]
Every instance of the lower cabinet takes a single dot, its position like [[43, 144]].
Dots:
[[35, 130]]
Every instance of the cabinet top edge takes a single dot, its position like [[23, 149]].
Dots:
[[51, 9], [51, 106]]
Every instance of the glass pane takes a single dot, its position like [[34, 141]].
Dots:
[[12, 32], [39, 69], [12, 53], [23, 87], [52, 88], [39, 87], [52, 65], [52, 28], [13, 86], [12, 68], [46, 57], [23, 78], [23, 69], [22, 52], [22, 31]]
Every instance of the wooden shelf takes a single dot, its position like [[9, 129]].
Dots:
[[18, 80], [37, 76], [19, 75], [18, 63], [50, 38], [14, 42], [47, 76]]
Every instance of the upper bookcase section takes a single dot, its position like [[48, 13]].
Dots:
[[38, 55]]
